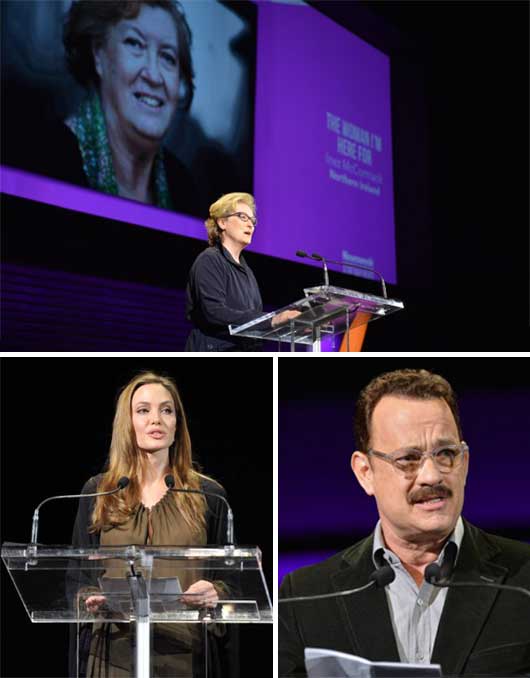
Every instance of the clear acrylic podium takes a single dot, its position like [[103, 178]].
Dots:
[[142, 586], [325, 311]]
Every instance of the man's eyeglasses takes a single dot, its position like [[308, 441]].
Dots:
[[244, 217], [409, 461]]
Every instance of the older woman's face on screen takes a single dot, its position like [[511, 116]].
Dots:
[[139, 74], [153, 417]]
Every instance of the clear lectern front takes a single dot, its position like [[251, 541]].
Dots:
[[325, 311], [141, 590]]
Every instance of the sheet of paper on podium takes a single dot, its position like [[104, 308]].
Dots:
[[322, 663]]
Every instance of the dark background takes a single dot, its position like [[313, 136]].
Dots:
[[57, 422], [460, 131], [321, 507]]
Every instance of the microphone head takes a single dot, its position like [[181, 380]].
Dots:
[[170, 481], [301, 253], [433, 573], [317, 257], [448, 564], [383, 576], [123, 482]]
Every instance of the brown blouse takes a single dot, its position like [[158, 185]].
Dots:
[[174, 647]]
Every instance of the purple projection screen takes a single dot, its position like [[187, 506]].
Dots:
[[322, 144], [323, 148]]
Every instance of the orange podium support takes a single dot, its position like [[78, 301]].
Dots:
[[352, 341]]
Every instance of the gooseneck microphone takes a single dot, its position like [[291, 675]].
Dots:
[[379, 578], [318, 257], [440, 575], [170, 483], [122, 483]]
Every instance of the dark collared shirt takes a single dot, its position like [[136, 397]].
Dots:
[[221, 292]]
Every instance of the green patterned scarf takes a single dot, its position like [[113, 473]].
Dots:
[[88, 124]]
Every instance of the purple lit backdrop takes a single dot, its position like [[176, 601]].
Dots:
[[52, 192], [294, 93], [322, 509], [308, 67], [439, 195], [67, 312]]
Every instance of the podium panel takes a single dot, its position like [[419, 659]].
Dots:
[[325, 311], [136, 597]]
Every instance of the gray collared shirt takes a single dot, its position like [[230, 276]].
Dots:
[[415, 612]]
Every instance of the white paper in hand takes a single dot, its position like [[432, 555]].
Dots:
[[321, 663]]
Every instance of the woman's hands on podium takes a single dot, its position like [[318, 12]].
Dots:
[[284, 317], [94, 603], [203, 594]]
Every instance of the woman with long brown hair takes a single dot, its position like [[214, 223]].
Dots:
[[150, 440]]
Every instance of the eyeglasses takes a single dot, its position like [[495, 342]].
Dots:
[[409, 461], [244, 217]]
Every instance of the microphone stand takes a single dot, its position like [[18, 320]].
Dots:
[[229, 546], [323, 596], [32, 546], [449, 584], [381, 577], [440, 576], [362, 268], [318, 257]]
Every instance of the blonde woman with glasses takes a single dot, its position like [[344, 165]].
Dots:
[[222, 289]]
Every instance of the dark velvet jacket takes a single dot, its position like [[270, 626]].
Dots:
[[223, 652], [482, 631]]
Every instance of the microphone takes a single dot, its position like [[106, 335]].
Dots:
[[438, 573], [170, 482], [122, 483], [383, 574], [363, 268], [318, 257], [439, 576], [379, 578]]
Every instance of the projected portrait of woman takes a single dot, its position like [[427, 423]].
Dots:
[[134, 59], [99, 94]]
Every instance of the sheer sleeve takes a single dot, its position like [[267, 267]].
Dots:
[[78, 579], [227, 646]]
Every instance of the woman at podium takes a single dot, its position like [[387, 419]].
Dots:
[[150, 441], [222, 289]]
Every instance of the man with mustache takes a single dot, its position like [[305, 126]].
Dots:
[[412, 459]]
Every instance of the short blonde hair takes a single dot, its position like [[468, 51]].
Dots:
[[220, 208]]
